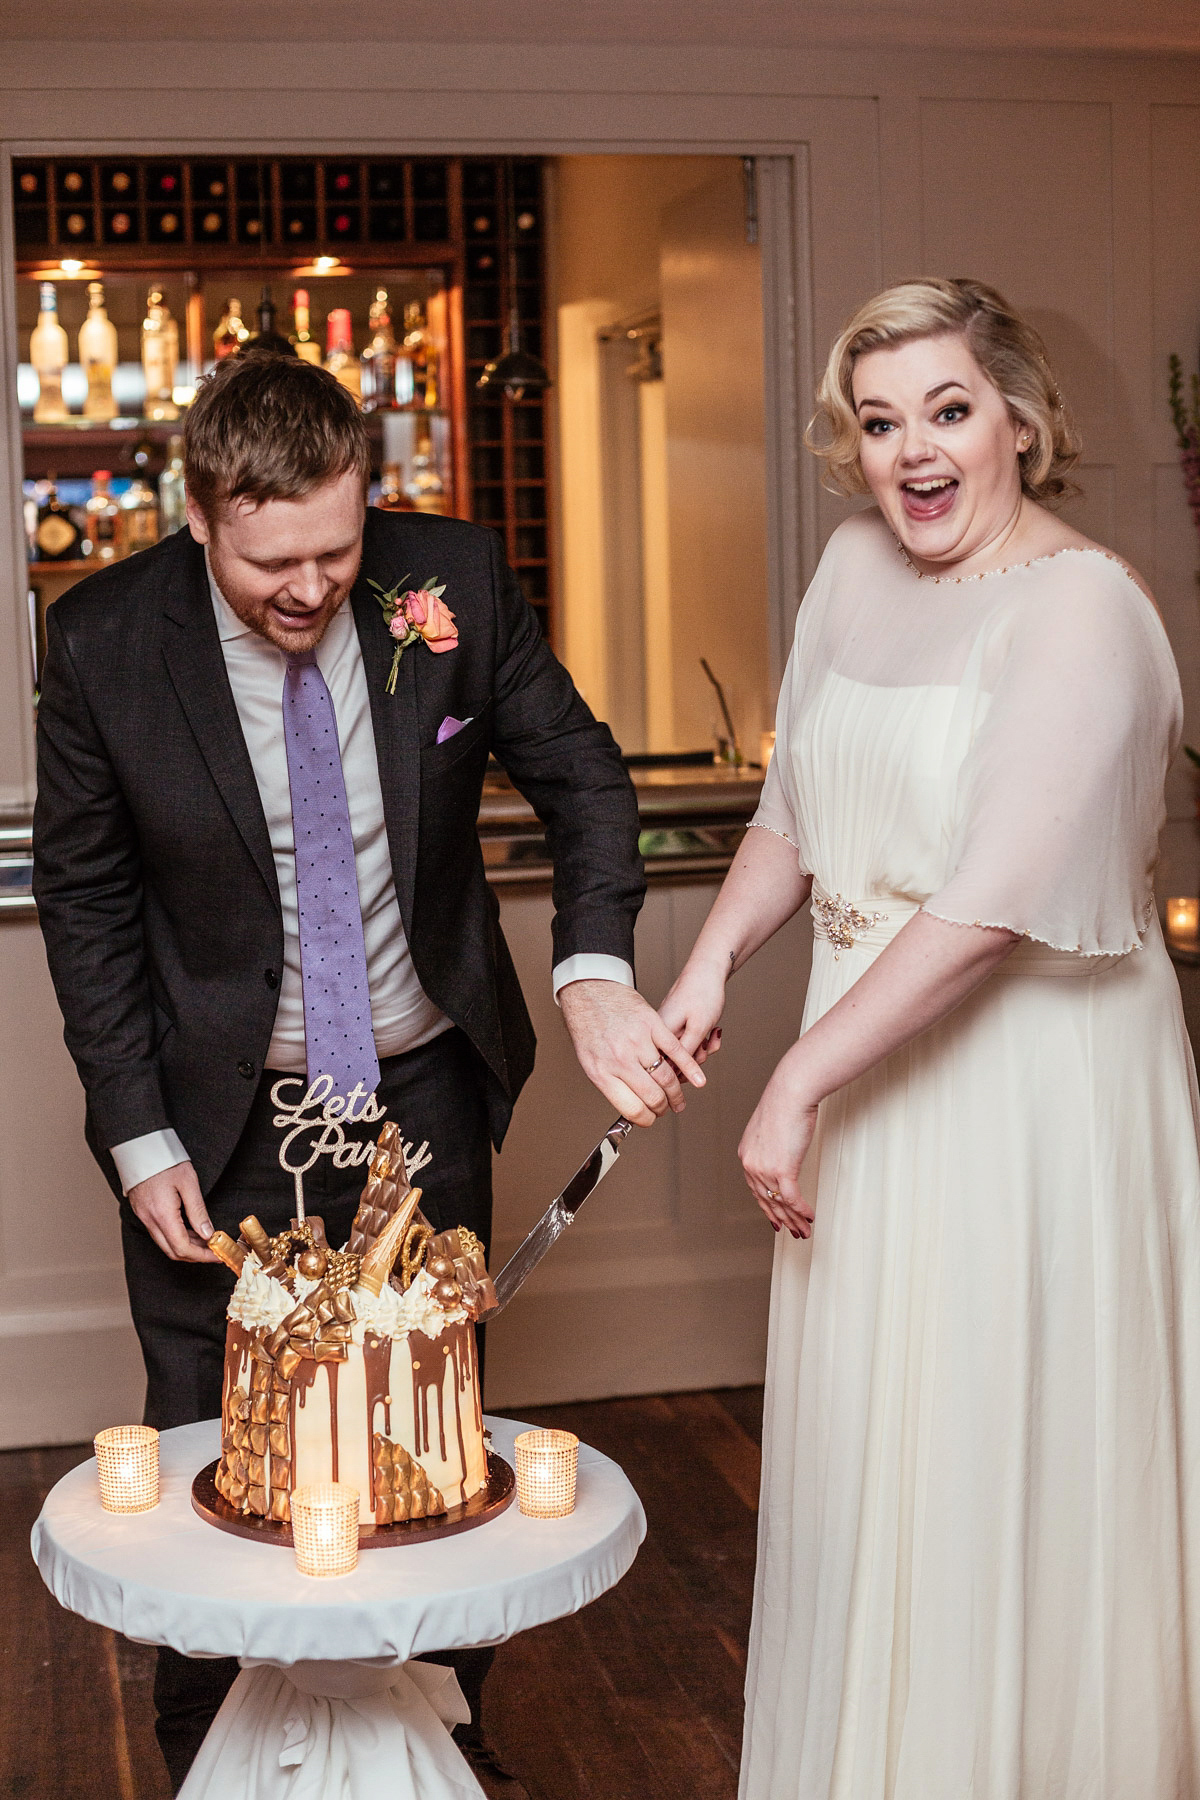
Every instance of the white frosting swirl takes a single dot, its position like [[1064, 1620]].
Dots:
[[260, 1302], [392, 1314]]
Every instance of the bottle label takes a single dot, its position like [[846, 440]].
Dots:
[[55, 535]]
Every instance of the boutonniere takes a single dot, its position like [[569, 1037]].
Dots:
[[413, 613]]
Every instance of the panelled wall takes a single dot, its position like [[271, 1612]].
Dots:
[[1073, 183]]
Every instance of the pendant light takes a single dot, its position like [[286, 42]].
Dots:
[[516, 372]]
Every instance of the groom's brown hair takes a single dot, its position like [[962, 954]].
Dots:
[[266, 426]]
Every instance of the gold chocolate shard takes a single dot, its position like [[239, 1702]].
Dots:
[[405, 1492]]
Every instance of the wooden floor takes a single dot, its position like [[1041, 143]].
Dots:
[[639, 1697]]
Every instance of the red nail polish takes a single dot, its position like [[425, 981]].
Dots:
[[795, 1234], [774, 1226]]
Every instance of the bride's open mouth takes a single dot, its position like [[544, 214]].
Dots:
[[931, 497]]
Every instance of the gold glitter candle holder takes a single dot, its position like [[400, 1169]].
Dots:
[[325, 1528], [547, 1466], [127, 1460]]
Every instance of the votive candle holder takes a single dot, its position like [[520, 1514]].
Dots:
[[1183, 921], [547, 1469], [127, 1462], [325, 1528]]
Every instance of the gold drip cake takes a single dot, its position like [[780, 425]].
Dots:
[[355, 1365]]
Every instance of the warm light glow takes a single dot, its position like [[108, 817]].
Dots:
[[127, 1463], [1183, 920], [321, 265], [325, 1528], [547, 1467], [183, 396], [766, 749], [70, 266]]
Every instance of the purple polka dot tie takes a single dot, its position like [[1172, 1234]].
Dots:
[[333, 956]]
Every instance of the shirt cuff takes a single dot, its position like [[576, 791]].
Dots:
[[591, 965], [139, 1158]]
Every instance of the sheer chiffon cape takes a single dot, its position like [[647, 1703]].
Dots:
[[1063, 712]]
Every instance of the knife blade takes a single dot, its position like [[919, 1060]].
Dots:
[[558, 1215]]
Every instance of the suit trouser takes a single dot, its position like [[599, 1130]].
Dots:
[[434, 1093]]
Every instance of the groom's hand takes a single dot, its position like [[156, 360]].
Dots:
[[625, 1050]]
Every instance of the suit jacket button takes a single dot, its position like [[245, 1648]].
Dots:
[[247, 1069], [271, 978]]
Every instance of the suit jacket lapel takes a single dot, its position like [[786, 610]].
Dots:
[[192, 651], [397, 733]]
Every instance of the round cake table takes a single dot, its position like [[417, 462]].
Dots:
[[332, 1700]]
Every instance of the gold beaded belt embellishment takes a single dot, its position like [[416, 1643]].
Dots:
[[840, 922]]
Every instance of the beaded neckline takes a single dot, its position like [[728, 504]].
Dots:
[[1009, 568]]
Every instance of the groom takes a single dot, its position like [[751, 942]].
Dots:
[[256, 854]]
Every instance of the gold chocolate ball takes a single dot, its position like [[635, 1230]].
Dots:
[[448, 1293], [312, 1264], [441, 1268]]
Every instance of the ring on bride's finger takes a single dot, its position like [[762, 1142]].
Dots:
[[650, 1067], [772, 1195]]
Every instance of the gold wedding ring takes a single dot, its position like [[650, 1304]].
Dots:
[[650, 1067]]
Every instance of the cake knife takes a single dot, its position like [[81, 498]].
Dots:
[[557, 1216]]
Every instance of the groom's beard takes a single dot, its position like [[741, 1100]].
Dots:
[[268, 615]]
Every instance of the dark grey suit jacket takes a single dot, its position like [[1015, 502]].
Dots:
[[153, 871]]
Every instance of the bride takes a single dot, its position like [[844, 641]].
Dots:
[[979, 1544]]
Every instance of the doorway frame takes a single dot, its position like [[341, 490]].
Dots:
[[791, 482]]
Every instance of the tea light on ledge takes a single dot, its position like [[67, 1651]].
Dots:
[[1183, 922], [547, 1465], [325, 1528], [127, 1461]]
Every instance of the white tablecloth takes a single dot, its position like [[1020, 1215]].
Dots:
[[308, 1724]]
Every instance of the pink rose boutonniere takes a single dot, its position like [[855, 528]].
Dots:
[[416, 613]]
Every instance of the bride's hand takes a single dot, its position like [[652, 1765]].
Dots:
[[772, 1149], [692, 1010]]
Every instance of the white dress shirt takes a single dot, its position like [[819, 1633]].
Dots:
[[402, 1014]]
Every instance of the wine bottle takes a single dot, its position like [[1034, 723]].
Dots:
[[56, 537], [340, 359], [100, 519], [137, 517], [98, 354], [48, 354], [425, 488], [172, 496], [232, 331], [302, 340], [378, 360], [266, 337], [160, 357]]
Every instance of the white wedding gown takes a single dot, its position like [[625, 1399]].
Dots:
[[979, 1543]]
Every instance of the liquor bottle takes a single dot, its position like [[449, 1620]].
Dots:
[[266, 337], [392, 497], [137, 527], [420, 346], [340, 359], [232, 331], [302, 340], [425, 488], [100, 519], [48, 354], [160, 357], [378, 360], [56, 537], [98, 354], [172, 497]]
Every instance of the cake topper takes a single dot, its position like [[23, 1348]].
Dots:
[[323, 1114]]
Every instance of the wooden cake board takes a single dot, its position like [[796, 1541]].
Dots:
[[491, 1500]]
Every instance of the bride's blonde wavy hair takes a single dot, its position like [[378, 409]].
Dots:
[[1007, 349]]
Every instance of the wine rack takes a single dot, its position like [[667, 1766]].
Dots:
[[290, 217]]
